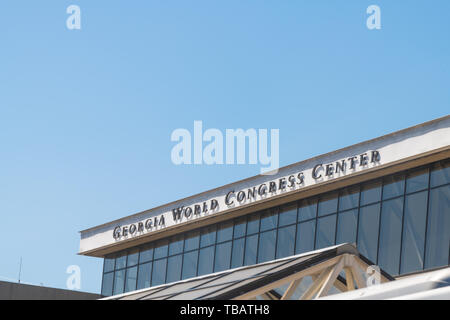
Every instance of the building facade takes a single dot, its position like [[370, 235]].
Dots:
[[390, 196]]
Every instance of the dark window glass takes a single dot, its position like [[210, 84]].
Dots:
[[237, 258], [390, 235], [107, 284], [438, 233], [305, 236], [369, 218], [253, 224], [208, 236], [144, 275], [146, 254], [108, 264], [251, 248], [269, 219], [286, 241], [440, 174], [326, 229], [307, 209], [119, 281], [417, 180], [130, 283], [190, 264], [206, 261], [174, 268], [161, 249], [349, 198], [347, 224], [176, 245], [239, 227], [222, 260], [288, 214], [371, 192], [133, 257], [225, 231], [159, 272], [192, 241], [266, 249], [121, 261], [394, 186], [327, 204], [414, 232]]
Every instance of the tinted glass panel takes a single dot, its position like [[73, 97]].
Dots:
[[288, 215], [225, 231], [223, 258], [267, 242], [327, 204], [438, 233], [269, 219], [146, 254], [206, 261], [130, 284], [307, 209], [159, 272], [349, 199], [394, 186], [208, 236], [305, 236], [390, 235], [237, 258], [174, 268], [161, 249], [286, 241], [107, 284], [121, 261], [414, 232], [176, 245], [369, 218], [417, 180], [371, 192], [253, 224], [144, 275], [108, 264], [119, 281], [440, 174], [190, 264], [251, 247], [192, 241], [239, 227], [326, 228], [133, 258], [347, 224]]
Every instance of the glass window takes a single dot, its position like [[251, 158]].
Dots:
[[440, 174], [414, 232], [239, 227], [326, 230], [161, 249], [192, 241], [133, 257], [349, 198], [159, 272], [369, 218], [208, 236], [121, 261], [190, 264], [417, 180], [222, 261], [305, 236], [267, 242], [251, 248], [130, 283], [394, 186], [288, 214], [307, 209], [206, 261], [225, 231], [438, 232], [174, 268], [119, 281], [269, 219], [146, 254], [108, 264], [390, 235], [347, 224], [107, 284], [144, 275], [237, 257], [286, 241], [327, 204], [176, 245], [253, 224], [370, 193]]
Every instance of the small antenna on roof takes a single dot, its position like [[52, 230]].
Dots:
[[20, 268]]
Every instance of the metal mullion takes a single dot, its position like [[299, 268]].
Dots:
[[403, 227], [425, 241], [380, 213]]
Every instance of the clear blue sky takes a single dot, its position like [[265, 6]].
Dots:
[[86, 116]]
